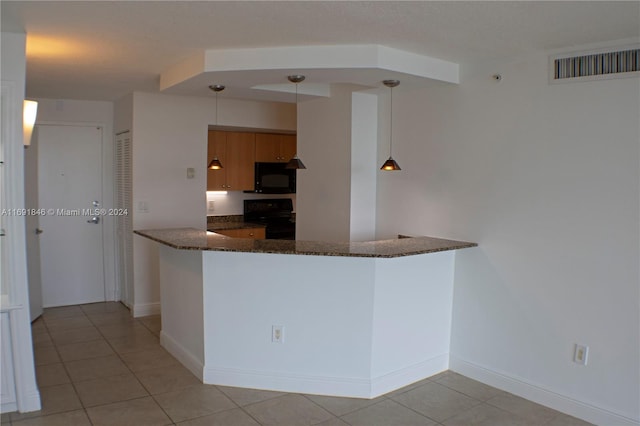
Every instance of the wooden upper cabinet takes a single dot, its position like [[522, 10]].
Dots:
[[274, 148], [288, 146], [240, 155], [267, 147], [236, 152]]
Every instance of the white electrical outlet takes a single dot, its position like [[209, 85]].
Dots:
[[210, 206], [581, 354], [277, 334], [143, 206]]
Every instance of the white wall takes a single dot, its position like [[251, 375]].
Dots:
[[546, 179], [324, 144], [13, 87], [412, 317], [123, 114], [331, 348], [13, 69], [352, 326], [182, 306], [63, 111], [364, 157], [169, 136]]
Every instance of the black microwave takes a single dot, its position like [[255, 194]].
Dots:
[[274, 178]]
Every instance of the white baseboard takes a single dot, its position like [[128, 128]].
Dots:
[[181, 354], [8, 407], [145, 309], [288, 382], [542, 396], [401, 378], [29, 401], [323, 385]]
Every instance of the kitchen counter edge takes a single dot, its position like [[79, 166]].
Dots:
[[195, 239]]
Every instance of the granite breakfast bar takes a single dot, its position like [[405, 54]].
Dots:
[[354, 319]]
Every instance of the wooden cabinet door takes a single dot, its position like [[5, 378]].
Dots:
[[240, 157], [228, 232], [267, 148], [255, 233], [287, 147], [217, 146], [275, 148]]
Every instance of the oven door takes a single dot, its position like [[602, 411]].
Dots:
[[281, 231]]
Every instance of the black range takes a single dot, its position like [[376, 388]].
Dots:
[[275, 213]]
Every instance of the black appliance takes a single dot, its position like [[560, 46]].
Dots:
[[275, 214], [274, 178]]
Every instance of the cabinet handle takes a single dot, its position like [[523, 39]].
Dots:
[[251, 234]]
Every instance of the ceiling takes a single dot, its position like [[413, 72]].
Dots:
[[97, 50]]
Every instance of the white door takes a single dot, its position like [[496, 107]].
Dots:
[[69, 189]]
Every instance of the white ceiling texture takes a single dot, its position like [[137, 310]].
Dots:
[[97, 50]]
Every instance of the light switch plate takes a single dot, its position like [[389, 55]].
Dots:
[[191, 172]]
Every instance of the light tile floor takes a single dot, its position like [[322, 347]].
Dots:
[[96, 365]]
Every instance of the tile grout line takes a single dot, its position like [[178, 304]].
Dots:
[[135, 321], [73, 386], [241, 407], [318, 405], [131, 371], [335, 415], [389, 399], [152, 396], [84, 408], [430, 418], [140, 381], [68, 374]]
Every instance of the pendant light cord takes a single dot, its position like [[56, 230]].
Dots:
[[391, 124], [216, 108]]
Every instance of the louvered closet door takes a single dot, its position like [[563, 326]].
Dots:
[[124, 223]]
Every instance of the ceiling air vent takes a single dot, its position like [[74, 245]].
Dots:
[[596, 66]]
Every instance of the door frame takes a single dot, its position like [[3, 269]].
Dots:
[[111, 291]]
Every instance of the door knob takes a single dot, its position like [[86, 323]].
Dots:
[[39, 231], [94, 219]]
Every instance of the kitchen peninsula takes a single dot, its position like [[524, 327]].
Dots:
[[354, 319]]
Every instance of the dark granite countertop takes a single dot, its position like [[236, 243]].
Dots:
[[194, 239]]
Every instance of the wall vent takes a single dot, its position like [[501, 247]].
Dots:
[[596, 65]]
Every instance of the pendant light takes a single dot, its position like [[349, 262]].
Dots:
[[215, 164], [390, 164], [295, 162]]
